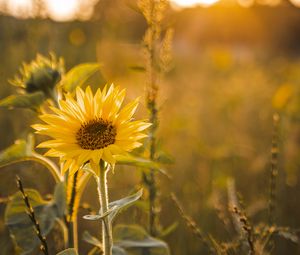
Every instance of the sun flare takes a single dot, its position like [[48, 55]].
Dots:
[[62, 10], [191, 3]]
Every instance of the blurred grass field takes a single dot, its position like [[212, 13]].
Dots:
[[233, 69]]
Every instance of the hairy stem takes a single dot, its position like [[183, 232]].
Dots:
[[152, 91], [107, 240]]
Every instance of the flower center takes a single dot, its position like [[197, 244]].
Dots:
[[96, 134]]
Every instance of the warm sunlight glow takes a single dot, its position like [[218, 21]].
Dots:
[[296, 3], [191, 3], [62, 10], [19, 8]]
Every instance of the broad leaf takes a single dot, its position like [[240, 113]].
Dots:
[[19, 224], [23, 150], [60, 198], [79, 74], [32, 101], [91, 240], [6, 243], [116, 206], [17, 205], [120, 204], [70, 251], [135, 238], [131, 160], [116, 250], [20, 149]]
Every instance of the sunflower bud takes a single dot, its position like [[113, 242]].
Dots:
[[42, 79], [42, 74]]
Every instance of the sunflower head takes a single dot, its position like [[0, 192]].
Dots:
[[91, 127], [42, 74]]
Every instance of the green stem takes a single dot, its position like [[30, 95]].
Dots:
[[64, 231], [152, 180], [50, 165], [103, 199], [72, 224], [53, 169], [152, 91], [73, 234]]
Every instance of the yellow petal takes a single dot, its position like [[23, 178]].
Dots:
[[108, 157], [127, 112]]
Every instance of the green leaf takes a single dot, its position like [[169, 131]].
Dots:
[[79, 74], [17, 205], [19, 224], [116, 250], [135, 238], [60, 198], [70, 251], [116, 206], [32, 100], [131, 160], [92, 240], [7, 244], [15, 152], [120, 204]]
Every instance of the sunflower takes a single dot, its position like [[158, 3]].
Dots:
[[41, 74], [91, 127]]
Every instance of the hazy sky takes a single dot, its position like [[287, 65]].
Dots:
[[63, 10], [57, 9]]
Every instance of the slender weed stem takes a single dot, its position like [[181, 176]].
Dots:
[[150, 41], [274, 169], [72, 215], [191, 224], [247, 228], [31, 214]]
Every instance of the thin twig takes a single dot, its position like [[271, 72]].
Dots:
[[191, 224], [247, 228], [31, 214]]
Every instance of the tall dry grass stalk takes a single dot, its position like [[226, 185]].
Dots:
[[158, 58]]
